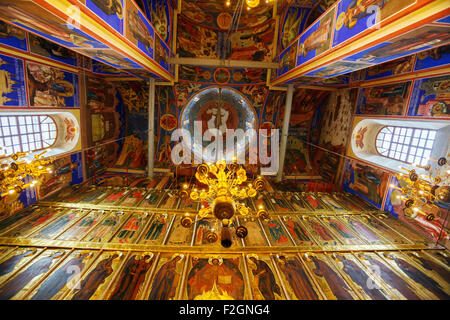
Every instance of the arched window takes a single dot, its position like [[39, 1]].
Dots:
[[23, 133], [398, 144], [410, 145]]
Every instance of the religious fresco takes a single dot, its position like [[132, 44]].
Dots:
[[100, 158], [264, 281], [36, 221], [298, 232], [151, 199], [215, 277], [316, 39], [436, 57], [384, 229], [276, 233], [92, 284], [169, 201], [104, 230], [318, 231], [33, 18], [287, 59], [133, 198], [312, 201], [404, 229], [131, 229], [430, 98], [362, 230], [341, 231], [390, 68], [61, 280], [162, 54], [16, 286], [156, 230], [13, 262], [138, 30], [328, 279], [12, 36], [51, 87], [296, 278], [430, 267], [179, 235], [59, 225], [428, 287], [79, 229], [256, 236], [397, 284], [295, 201], [164, 284], [367, 286], [252, 43], [438, 256], [354, 18], [368, 182], [51, 50], [279, 203], [229, 76], [292, 23], [65, 171], [330, 202], [129, 283], [384, 100], [425, 37], [111, 12], [115, 196], [12, 82], [94, 195]]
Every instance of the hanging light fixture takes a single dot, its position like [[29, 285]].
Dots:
[[227, 187], [13, 173], [427, 189]]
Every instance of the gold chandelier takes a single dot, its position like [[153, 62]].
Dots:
[[250, 3], [227, 187], [13, 173], [427, 189]]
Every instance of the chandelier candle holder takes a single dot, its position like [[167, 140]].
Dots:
[[16, 168], [227, 187], [426, 189]]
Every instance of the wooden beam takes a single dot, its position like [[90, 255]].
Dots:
[[224, 63]]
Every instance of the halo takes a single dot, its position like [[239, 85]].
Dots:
[[252, 255], [210, 259]]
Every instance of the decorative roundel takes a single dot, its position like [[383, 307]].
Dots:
[[224, 20], [204, 108], [168, 122], [222, 76]]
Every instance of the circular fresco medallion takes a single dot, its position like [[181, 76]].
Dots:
[[224, 20], [222, 75], [221, 109], [168, 122]]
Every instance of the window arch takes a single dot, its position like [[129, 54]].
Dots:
[[399, 143], [56, 132], [26, 133], [406, 144]]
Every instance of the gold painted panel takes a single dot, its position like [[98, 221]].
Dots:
[[64, 278], [294, 275], [264, 280], [342, 232], [58, 225], [218, 277], [13, 261], [164, 283], [276, 234], [321, 234], [155, 232], [179, 235], [105, 230], [329, 280], [79, 229], [255, 235], [298, 232], [131, 228], [96, 279], [16, 287]]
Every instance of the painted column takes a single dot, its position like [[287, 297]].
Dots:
[[151, 127], [285, 129]]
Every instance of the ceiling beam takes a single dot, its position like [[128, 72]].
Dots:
[[224, 63]]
